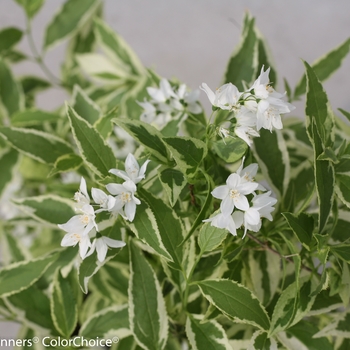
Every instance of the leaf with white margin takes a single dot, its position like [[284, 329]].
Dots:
[[260, 340], [48, 209], [39, 145], [206, 335], [84, 106], [92, 147], [147, 313], [112, 321], [21, 275], [235, 301]]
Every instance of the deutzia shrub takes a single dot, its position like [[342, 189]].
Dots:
[[131, 214]]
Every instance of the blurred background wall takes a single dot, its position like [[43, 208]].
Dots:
[[193, 40]]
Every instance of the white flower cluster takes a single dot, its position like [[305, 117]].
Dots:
[[166, 103], [121, 200], [258, 107], [236, 209]]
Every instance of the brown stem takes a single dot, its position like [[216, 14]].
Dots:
[[266, 246]]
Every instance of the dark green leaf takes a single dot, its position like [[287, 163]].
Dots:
[[33, 117], [8, 38], [31, 7], [231, 149], [8, 161]]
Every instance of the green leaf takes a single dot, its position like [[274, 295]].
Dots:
[[84, 106], [8, 38], [231, 149], [117, 49], [188, 153], [338, 327], [243, 63], [147, 313], [63, 306], [146, 229], [32, 84], [32, 306], [11, 96], [49, 209], [67, 162], [14, 56], [71, 16], [292, 306], [18, 276], [236, 302], [12, 248], [112, 321], [302, 225], [342, 251], [173, 182], [328, 154], [345, 113], [324, 177], [41, 146], [8, 161], [104, 125], [93, 149], [33, 117], [325, 66], [261, 341], [271, 151], [31, 7], [342, 188], [169, 225], [317, 108], [210, 237], [207, 335], [147, 135]]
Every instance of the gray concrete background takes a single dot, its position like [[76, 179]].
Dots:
[[193, 39]]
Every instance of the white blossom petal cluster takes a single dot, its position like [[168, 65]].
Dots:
[[258, 107], [167, 103], [121, 200], [240, 205]]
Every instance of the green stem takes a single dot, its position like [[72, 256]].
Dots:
[[38, 58]]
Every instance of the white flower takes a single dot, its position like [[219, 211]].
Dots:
[[84, 222], [81, 197], [132, 170], [190, 100], [233, 194], [162, 94], [124, 198], [227, 222], [246, 125], [72, 238], [248, 173], [101, 245], [225, 97], [268, 104], [101, 198]]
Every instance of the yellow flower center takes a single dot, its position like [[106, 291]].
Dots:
[[125, 197], [234, 194], [84, 219]]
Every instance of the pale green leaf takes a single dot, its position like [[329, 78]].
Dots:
[[210, 237], [18, 276], [63, 305], [41, 146], [84, 106], [117, 49], [104, 124], [33, 117], [236, 302], [231, 149], [342, 188], [31, 7], [206, 335], [93, 149], [70, 17], [147, 313]]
